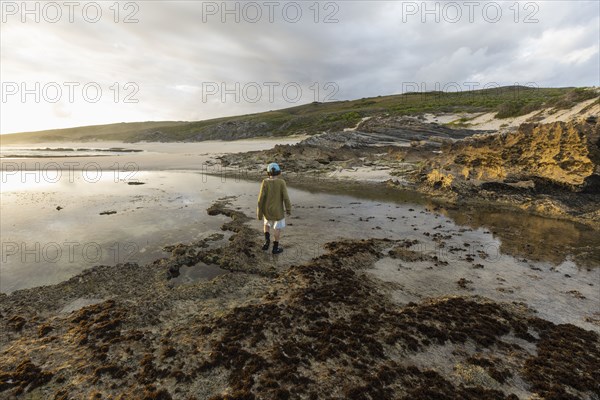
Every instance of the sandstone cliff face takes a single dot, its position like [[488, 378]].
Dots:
[[566, 154], [550, 169]]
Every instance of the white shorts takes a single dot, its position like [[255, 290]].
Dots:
[[275, 224]]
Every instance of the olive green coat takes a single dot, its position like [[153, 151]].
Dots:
[[273, 195]]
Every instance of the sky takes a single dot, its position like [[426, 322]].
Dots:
[[67, 64]]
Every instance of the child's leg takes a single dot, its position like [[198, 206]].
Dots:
[[267, 236], [276, 235]]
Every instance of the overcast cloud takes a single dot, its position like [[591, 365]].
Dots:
[[177, 49]]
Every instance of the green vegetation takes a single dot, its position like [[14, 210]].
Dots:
[[317, 117], [572, 98], [462, 122], [118, 131]]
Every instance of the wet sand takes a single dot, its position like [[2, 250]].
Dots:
[[153, 157]]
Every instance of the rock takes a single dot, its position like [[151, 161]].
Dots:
[[592, 184], [16, 322], [564, 153], [411, 129], [463, 283], [108, 212], [26, 377], [44, 330], [550, 169]]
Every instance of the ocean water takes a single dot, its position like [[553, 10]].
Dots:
[[15, 151]]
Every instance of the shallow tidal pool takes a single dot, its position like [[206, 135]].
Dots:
[[51, 231]]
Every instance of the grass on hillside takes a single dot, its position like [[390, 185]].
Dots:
[[509, 101]]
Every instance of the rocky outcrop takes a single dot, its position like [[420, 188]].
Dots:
[[548, 169], [551, 169], [322, 152], [564, 153], [379, 135], [411, 129]]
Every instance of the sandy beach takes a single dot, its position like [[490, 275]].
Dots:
[[149, 156]]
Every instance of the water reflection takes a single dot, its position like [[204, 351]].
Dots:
[[533, 237], [197, 273], [521, 235], [171, 208]]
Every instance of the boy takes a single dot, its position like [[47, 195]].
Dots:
[[273, 195]]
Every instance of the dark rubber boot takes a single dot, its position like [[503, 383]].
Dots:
[[276, 248], [267, 241]]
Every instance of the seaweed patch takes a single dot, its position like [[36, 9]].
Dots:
[[322, 329]]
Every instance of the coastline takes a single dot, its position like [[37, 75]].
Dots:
[[315, 180], [258, 330], [454, 303]]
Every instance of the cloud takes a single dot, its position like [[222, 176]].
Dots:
[[568, 46], [374, 48]]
